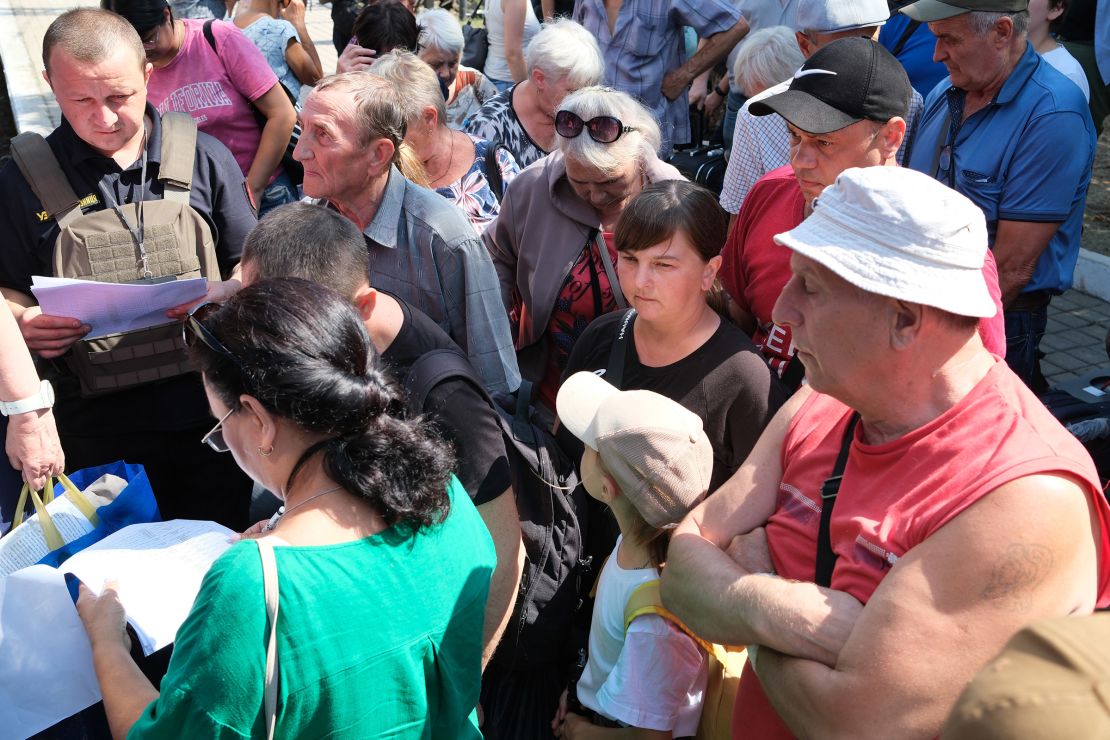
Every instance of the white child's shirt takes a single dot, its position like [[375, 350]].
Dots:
[[1066, 64], [654, 677]]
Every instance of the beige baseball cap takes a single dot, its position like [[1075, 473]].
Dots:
[[655, 449]]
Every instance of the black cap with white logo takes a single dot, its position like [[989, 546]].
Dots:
[[846, 81]]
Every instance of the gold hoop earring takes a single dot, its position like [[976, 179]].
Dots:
[[266, 453]]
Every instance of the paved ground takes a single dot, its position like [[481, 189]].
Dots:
[[1077, 322]]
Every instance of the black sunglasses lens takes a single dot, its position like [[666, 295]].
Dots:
[[604, 129], [567, 124], [194, 327]]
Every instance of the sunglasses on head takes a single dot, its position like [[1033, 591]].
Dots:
[[602, 129], [194, 330]]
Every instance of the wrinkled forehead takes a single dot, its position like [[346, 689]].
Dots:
[[331, 106]]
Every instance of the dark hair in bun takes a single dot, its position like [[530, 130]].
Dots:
[[304, 353]]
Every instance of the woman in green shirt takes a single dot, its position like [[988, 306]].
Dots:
[[383, 562]]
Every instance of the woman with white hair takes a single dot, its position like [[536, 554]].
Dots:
[[562, 57], [470, 172], [440, 46], [552, 244]]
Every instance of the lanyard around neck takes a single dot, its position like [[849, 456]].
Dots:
[[137, 230]]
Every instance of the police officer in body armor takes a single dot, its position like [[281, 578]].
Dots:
[[71, 210]]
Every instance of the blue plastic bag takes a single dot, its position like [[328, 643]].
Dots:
[[135, 504]]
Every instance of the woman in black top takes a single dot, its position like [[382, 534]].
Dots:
[[672, 342]]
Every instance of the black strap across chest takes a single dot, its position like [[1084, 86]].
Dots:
[[826, 558]]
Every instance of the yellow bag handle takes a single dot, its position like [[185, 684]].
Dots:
[[50, 532]]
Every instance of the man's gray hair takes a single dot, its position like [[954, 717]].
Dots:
[[377, 105], [983, 21], [563, 48], [766, 58], [439, 29], [421, 85], [89, 35], [639, 145]]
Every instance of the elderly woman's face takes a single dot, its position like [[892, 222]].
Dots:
[[607, 192], [444, 64]]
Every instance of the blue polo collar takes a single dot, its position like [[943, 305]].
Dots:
[[382, 229], [1019, 76]]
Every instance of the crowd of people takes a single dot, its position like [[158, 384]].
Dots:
[[800, 417]]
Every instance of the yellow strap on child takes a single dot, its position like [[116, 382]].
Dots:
[[645, 599]]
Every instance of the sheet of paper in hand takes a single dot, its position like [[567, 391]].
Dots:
[[47, 662]]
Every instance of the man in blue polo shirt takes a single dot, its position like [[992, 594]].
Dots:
[[1009, 132]]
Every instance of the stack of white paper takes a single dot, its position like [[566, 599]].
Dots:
[[47, 672], [110, 308]]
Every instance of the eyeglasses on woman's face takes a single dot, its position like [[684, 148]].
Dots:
[[215, 437]]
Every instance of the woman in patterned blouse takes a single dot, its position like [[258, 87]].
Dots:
[[470, 172]]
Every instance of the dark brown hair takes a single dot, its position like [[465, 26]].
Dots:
[[665, 208], [302, 351]]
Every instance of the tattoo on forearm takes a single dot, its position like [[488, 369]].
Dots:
[[1017, 573]]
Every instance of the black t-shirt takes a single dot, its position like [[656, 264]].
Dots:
[[218, 194], [726, 382], [458, 409]]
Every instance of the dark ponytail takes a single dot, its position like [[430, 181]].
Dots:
[[303, 352]]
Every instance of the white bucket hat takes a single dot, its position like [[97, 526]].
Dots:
[[898, 233]]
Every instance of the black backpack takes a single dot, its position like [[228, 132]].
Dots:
[[549, 499]]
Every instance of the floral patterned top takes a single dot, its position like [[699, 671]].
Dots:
[[497, 121], [472, 191]]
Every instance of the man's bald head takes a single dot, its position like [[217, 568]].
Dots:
[[89, 35]]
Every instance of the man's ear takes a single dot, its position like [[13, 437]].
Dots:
[[46, 76], [148, 70], [905, 323], [805, 43], [381, 151], [891, 135], [365, 300]]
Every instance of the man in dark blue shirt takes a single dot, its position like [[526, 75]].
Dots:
[[97, 68], [1016, 137]]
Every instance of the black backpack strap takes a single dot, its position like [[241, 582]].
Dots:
[[493, 171], [431, 369], [208, 35], [904, 38], [614, 371], [826, 558]]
